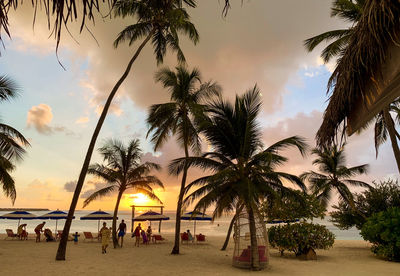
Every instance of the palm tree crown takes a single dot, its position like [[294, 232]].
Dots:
[[180, 115], [123, 171], [12, 142], [242, 171], [162, 20], [334, 176], [348, 10]]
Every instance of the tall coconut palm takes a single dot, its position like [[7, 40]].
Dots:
[[351, 11], [123, 171], [243, 173], [348, 10], [179, 117], [160, 21], [12, 142], [334, 176]]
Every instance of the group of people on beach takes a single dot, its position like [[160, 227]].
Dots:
[[139, 232], [104, 234], [23, 234]]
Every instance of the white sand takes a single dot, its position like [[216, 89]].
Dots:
[[85, 258]]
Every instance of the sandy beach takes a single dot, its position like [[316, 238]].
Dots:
[[85, 258]]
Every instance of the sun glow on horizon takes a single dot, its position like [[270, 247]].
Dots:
[[139, 199]]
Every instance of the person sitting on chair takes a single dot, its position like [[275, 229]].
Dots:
[[190, 237]]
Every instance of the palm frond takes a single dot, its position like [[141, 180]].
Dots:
[[99, 194]]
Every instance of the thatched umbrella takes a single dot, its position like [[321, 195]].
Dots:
[[367, 75]]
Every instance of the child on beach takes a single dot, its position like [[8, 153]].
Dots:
[[144, 237], [149, 232], [105, 238], [136, 233], [76, 235]]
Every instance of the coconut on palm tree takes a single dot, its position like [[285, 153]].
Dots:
[[122, 172], [158, 21], [179, 117], [242, 171], [334, 176], [12, 143]]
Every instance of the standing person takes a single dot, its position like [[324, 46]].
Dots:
[[149, 232], [105, 237], [144, 237], [39, 229], [137, 231], [121, 232]]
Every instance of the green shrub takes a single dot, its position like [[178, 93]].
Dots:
[[383, 230], [384, 195], [300, 237]]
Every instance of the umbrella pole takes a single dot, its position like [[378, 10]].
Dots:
[[194, 234], [98, 226], [56, 227], [159, 226]]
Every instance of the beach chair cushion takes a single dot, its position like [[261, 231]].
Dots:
[[201, 238], [185, 236]]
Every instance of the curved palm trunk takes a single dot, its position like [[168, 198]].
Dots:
[[255, 259], [175, 250], [64, 237], [114, 223], [228, 235], [392, 134]]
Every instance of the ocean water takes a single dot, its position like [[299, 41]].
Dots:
[[217, 228]]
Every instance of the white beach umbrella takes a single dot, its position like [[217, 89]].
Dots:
[[55, 215], [18, 215], [195, 216], [98, 215]]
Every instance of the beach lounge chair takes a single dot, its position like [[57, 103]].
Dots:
[[200, 238], [89, 236], [185, 237], [10, 234], [157, 238]]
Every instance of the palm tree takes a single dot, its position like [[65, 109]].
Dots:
[[243, 173], [123, 172], [12, 142], [179, 117], [351, 11], [334, 176], [348, 10], [384, 125], [160, 21]]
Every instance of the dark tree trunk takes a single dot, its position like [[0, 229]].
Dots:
[[175, 250], [114, 223], [255, 259], [62, 247], [392, 134], [228, 235]]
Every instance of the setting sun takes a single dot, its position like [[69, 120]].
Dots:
[[139, 199]]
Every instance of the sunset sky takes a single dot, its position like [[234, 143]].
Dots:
[[258, 42]]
